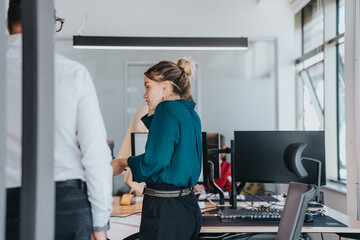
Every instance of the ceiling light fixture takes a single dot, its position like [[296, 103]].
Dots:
[[160, 43]]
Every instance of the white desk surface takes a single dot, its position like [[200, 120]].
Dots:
[[123, 227]]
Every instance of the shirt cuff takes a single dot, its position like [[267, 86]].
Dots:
[[103, 228]]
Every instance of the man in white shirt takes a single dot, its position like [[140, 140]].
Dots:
[[82, 169]]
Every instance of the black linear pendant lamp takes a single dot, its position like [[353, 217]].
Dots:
[[160, 43]]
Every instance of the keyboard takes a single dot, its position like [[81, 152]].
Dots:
[[262, 213], [215, 197]]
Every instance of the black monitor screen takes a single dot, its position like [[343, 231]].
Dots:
[[259, 156], [210, 141]]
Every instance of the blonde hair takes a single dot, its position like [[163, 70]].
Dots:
[[177, 74]]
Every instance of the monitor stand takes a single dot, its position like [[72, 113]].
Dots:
[[233, 200], [212, 183], [235, 190]]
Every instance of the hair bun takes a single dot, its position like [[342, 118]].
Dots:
[[187, 65]]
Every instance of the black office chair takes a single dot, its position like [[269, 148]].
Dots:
[[292, 220], [293, 161]]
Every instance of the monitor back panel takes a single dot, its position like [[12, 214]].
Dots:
[[259, 156]]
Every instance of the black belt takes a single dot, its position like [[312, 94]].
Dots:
[[77, 183]]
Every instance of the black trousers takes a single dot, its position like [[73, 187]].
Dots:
[[170, 218], [73, 220]]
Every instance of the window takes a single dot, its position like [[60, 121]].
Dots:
[[341, 112], [341, 127], [321, 63], [313, 25], [341, 16], [312, 87]]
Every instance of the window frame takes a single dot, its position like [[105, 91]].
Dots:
[[330, 47]]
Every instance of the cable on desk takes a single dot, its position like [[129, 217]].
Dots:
[[230, 236], [124, 216], [216, 237], [208, 209], [210, 201], [260, 206], [207, 197], [267, 201], [255, 196], [308, 236], [251, 236], [242, 235], [318, 212], [258, 197]]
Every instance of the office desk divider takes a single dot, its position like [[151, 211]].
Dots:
[[319, 221]]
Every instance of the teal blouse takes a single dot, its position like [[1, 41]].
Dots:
[[173, 149]]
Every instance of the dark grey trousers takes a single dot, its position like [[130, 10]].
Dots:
[[73, 220]]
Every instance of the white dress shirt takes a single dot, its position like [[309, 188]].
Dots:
[[80, 147]]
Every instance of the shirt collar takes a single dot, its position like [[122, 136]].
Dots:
[[188, 104], [15, 40]]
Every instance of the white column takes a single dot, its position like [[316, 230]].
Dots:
[[352, 92]]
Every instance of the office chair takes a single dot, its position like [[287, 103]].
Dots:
[[292, 220], [293, 161]]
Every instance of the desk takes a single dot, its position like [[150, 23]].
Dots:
[[123, 227], [127, 226]]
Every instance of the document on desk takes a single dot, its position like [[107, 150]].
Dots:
[[123, 227]]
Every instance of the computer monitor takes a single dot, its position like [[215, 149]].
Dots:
[[259, 156], [138, 143], [210, 141], [213, 142]]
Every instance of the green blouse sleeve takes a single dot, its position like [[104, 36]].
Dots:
[[164, 134]]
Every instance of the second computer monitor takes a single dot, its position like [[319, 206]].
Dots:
[[259, 156], [138, 142], [210, 141]]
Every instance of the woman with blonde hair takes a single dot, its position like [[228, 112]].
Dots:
[[171, 164]]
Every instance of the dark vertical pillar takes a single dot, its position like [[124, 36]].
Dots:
[[37, 195]]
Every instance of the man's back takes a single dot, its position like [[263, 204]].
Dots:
[[75, 98], [81, 152]]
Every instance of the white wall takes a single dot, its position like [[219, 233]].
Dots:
[[265, 20], [237, 89]]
